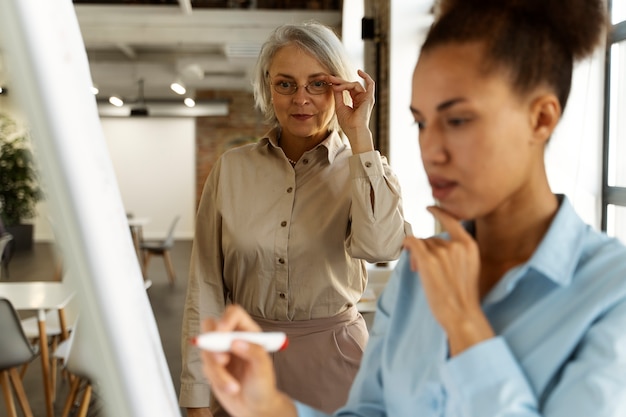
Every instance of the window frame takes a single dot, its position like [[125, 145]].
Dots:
[[611, 195]]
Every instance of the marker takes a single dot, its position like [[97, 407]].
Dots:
[[221, 341]]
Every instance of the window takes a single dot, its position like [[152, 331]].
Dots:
[[618, 12], [617, 125], [616, 221], [614, 151]]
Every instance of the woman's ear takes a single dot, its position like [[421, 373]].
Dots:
[[545, 113]]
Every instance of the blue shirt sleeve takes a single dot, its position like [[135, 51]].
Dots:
[[306, 411], [487, 380]]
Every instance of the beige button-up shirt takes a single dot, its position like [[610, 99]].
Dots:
[[287, 243]]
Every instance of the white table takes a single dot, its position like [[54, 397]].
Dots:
[[377, 277], [136, 225], [40, 297]]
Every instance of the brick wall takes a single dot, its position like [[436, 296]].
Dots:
[[216, 134]]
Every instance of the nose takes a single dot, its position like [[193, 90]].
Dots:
[[301, 96], [432, 146]]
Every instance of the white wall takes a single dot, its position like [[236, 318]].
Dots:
[[408, 29], [573, 156], [154, 162]]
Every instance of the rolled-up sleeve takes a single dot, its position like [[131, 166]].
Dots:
[[377, 220]]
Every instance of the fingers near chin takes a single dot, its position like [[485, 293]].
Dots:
[[414, 246], [449, 223]]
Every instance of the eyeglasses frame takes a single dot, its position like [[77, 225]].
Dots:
[[306, 87]]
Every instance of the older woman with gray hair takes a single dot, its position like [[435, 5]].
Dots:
[[285, 225]]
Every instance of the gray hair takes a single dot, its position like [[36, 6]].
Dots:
[[313, 38]]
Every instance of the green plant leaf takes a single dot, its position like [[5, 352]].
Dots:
[[19, 189]]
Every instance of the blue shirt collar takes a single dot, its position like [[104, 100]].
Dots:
[[552, 259]]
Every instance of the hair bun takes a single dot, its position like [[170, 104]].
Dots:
[[580, 24]]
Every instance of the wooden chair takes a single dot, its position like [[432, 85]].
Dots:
[[56, 333], [161, 248], [77, 360], [15, 351]]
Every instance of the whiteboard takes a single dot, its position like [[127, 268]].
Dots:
[[48, 67]]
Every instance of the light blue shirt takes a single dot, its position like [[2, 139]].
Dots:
[[560, 349]]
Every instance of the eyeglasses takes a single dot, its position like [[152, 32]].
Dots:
[[289, 87]]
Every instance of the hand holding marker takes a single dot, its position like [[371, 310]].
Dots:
[[221, 341]]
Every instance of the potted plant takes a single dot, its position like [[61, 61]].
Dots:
[[19, 189]]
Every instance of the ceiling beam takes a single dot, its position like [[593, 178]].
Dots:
[[157, 43], [126, 50], [94, 16]]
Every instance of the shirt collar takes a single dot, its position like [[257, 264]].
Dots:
[[555, 256], [333, 144], [271, 137], [561, 246]]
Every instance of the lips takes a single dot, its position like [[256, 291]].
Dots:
[[302, 117], [441, 187]]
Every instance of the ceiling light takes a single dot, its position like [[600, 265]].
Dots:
[[189, 102], [94, 90], [178, 87], [140, 109], [116, 101], [3, 90]]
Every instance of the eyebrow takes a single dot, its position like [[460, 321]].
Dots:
[[319, 74], [441, 107]]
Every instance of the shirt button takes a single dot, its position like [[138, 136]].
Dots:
[[283, 223], [282, 295], [290, 189], [305, 161], [281, 261], [368, 164]]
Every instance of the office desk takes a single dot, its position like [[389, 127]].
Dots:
[[40, 297]]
